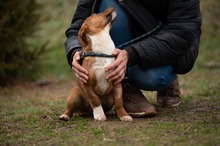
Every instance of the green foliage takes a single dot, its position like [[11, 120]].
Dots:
[[210, 14], [17, 22], [209, 46]]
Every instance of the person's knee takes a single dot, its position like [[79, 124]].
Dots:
[[153, 79], [161, 82], [152, 82]]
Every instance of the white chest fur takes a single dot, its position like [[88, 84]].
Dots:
[[102, 43]]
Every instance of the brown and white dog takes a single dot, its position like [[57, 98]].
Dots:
[[98, 94]]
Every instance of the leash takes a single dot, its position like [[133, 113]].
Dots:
[[93, 54], [140, 37]]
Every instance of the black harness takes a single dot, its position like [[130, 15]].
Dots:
[[93, 54]]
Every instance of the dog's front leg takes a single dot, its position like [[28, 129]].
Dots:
[[121, 113], [95, 102]]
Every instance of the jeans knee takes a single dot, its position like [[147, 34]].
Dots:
[[162, 82], [151, 80], [155, 83]]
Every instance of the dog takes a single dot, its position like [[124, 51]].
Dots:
[[97, 95]]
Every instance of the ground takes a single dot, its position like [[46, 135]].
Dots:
[[30, 115]]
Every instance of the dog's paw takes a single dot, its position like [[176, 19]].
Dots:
[[100, 118], [64, 117], [99, 114], [126, 118]]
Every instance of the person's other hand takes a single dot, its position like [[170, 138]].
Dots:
[[119, 66], [80, 72]]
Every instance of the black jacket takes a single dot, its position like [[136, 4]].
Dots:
[[176, 43]]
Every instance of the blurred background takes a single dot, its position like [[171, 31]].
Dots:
[[32, 36]]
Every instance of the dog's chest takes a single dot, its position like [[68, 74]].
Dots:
[[100, 73], [102, 43]]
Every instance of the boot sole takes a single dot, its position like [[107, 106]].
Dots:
[[149, 113], [172, 105]]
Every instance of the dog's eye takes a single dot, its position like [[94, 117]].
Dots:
[[108, 16]]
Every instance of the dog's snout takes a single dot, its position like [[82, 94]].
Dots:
[[110, 13]]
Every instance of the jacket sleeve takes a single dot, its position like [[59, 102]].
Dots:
[[83, 10], [177, 42]]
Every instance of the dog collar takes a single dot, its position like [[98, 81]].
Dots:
[[93, 54]]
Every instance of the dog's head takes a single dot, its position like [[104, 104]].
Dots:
[[95, 24]]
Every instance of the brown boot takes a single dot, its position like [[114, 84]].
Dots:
[[170, 97], [135, 103]]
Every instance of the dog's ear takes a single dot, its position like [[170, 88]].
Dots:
[[82, 38]]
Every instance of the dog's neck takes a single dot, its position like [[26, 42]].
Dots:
[[102, 42]]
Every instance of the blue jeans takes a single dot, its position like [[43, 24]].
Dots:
[[152, 79]]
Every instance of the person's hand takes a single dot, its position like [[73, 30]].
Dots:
[[119, 66], [80, 72]]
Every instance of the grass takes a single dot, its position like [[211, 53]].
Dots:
[[29, 112], [30, 117]]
